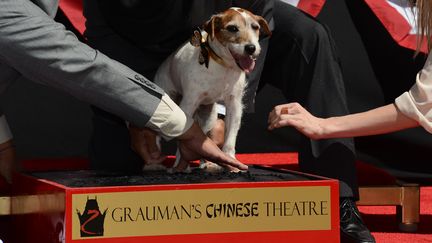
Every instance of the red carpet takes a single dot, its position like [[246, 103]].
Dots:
[[383, 224], [380, 220]]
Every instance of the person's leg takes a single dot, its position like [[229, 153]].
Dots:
[[110, 147], [43, 51], [302, 62]]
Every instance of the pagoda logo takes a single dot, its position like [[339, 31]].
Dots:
[[92, 219]]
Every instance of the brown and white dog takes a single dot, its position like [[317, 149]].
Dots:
[[212, 68]]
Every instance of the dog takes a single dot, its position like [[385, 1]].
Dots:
[[211, 68]]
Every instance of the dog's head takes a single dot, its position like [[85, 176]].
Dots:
[[238, 30]]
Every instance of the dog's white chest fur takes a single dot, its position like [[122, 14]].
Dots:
[[182, 75]]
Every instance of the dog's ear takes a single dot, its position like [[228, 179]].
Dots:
[[265, 28], [213, 25]]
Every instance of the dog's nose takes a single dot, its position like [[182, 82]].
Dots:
[[250, 49]]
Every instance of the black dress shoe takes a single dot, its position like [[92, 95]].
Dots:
[[352, 228]]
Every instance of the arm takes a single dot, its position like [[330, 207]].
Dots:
[[384, 119], [43, 51], [413, 108]]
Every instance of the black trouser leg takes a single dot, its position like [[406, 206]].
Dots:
[[110, 148], [302, 62]]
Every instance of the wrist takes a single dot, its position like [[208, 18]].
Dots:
[[169, 120], [328, 127]]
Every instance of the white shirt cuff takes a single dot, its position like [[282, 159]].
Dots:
[[169, 120]]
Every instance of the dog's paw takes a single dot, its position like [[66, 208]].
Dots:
[[154, 167], [211, 167]]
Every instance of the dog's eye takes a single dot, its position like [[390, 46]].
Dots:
[[232, 28], [255, 27]]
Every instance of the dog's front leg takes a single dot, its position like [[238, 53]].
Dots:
[[233, 116], [206, 115]]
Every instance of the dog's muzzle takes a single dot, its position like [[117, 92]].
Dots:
[[245, 62]]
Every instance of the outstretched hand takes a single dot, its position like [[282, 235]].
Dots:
[[293, 114], [194, 144]]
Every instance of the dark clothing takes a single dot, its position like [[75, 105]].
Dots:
[[300, 60], [143, 43], [394, 66]]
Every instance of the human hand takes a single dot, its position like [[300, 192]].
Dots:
[[194, 144], [293, 114], [143, 142]]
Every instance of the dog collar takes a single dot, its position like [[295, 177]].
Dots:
[[207, 52]]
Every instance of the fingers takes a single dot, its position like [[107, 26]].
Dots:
[[182, 166], [282, 109], [153, 149], [293, 114], [210, 151], [195, 145], [143, 142], [282, 121], [285, 115], [231, 163], [150, 158]]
